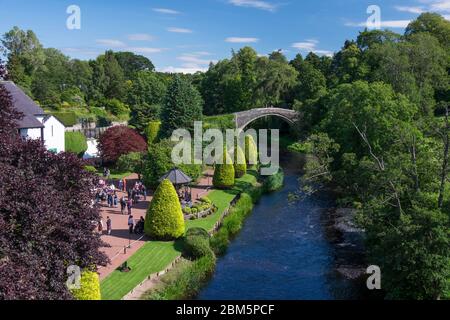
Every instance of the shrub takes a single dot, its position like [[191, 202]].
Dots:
[[75, 142], [91, 169], [89, 287], [240, 164], [152, 131], [251, 150], [131, 162], [274, 182], [224, 173], [165, 219], [196, 243], [205, 199], [219, 242], [116, 107], [120, 140]]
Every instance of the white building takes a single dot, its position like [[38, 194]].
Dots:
[[35, 124]]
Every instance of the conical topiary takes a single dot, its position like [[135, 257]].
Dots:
[[240, 164], [89, 287], [224, 173], [164, 220], [251, 151]]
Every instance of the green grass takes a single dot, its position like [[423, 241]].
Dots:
[[151, 258], [115, 174], [155, 256]]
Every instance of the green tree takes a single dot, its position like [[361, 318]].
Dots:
[[182, 106], [240, 163], [164, 220], [89, 287], [224, 173], [132, 63]]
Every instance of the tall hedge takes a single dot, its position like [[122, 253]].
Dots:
[[251, 150], [165, 220], [224, 173], [89, 287], [240, 164], [152, 131], [75, 142]]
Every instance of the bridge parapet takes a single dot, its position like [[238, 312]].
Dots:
[[244, 118]]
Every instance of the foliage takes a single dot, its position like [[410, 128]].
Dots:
[[90, 287], [68, 119], [58, 189], [131, 162], [182, 106], [240, 163], [75, 142], [152, 131], [274, 182], [159, 162], [221, 122], [116, 107], [251, 150], [119, 140], [224, 173], [165, 219], [90, 169], [196, 243]]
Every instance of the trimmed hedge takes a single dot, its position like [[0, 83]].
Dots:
[[251, 151], [90, 287], [76, 142], [68, 119], [240, 164], [224, 173], [91, 169], [152, 131], [165, 219]]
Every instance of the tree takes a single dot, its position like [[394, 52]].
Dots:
[[131, 162], [240, 165], [224, 173], [89, 287], [251, 151], [432, 23], [165, 220], [152, 131], [108, 77], [182, 106], [367, 39], [120, 140], [75, 142], [132, 63], [58, 189]]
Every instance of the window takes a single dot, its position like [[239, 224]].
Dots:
[[52, 131]]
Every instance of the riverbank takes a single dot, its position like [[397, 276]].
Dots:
[[188, 277]]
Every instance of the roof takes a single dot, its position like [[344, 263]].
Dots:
[[176, 176], [26, 106]]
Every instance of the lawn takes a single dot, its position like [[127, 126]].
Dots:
[[155, 256], [115, 174], [151, 258]]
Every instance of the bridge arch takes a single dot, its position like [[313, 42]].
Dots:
[[244, 118]]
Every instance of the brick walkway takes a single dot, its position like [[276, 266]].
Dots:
[[120, 237]]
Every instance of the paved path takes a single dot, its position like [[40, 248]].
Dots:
[[120, 237]]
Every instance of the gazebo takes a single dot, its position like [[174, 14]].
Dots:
[[178, 179]]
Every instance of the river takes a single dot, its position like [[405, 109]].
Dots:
[[286, 250]]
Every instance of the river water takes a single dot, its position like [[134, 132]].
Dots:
[[285, 250]]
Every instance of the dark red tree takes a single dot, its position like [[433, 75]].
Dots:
[[46, 216], [120, 140]]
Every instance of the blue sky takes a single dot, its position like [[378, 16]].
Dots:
[[185, 35]]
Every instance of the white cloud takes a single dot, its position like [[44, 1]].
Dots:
[[195, 59], [145, 49], [166, 11], [258, 4], [417, 10], [241, 40], [440, 5], [140, 37], [310, 45], [189, 70], [111, 43], [383, 24], [179, 30]]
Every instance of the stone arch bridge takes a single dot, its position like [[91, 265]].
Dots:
[[244, 118]]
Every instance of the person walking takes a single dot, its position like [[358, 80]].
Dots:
[[108, 225], [116, 199], [121, 185], [130, 224], [129, 206], [110, 200], [123, 204], [100, 226]]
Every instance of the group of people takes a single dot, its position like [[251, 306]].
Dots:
[[108, 193]]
